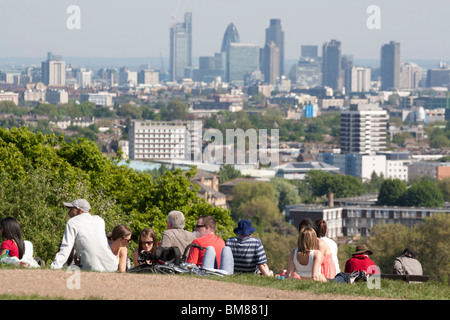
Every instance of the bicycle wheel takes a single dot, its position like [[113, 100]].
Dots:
[[164, 269]]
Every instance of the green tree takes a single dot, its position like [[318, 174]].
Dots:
[[228, 172], [321, 183], [392, 193], [444, 186], [176, 110], [424, 193], [429, 240], [285, 193], [38, 172]]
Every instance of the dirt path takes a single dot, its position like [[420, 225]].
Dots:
[[115, 286]]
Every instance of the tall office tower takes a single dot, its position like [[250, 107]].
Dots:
[[390, 66], [231, 36], [53, 71], [271, 62], [360, 79], [275, 33], [410, 76], [331, 65], [242, 59], [180, 47], [308, 51], [363, 129], [346, 67]]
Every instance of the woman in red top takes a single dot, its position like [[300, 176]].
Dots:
[[12, 238], [360, 261]]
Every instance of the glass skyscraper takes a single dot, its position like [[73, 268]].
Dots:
[[180, 48], [242, 59], [390, 66], [331, 65], [275, 33], [231, 36]]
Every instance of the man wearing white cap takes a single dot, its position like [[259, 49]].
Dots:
[[87, 234]]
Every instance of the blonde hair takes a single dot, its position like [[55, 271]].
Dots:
[[307, 240]]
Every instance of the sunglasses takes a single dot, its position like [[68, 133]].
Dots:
[[147, 242], [127, 240], [200, 226]]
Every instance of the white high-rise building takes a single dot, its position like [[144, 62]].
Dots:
[[363, 129], [360, 79], [53, 71], [165, 140]]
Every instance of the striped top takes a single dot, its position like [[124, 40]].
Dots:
[[248, 253]]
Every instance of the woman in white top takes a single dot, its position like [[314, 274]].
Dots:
[[305, 261]]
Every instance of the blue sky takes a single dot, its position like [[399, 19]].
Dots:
[[140, 28]]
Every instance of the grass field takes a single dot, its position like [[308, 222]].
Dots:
[[387, 288]]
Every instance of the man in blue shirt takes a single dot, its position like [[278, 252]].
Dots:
[[248, 252]]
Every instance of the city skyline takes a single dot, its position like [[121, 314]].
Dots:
[[141, 28]]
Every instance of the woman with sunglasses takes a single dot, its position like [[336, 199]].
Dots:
[[147, 243], [121, 236]]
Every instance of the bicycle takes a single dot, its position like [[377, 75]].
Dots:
[[152, 264]]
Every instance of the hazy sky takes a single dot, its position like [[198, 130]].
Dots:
[[140, 28]]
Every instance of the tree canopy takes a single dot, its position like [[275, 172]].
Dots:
[[39, 171]]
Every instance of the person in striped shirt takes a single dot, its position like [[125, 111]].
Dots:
[[248, 252]]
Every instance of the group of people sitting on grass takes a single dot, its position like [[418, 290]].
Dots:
[[86, 244]]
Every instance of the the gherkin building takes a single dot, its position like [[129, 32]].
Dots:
[[231, 36]]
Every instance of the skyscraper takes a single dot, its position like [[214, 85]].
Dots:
[[275, 33], [231, 36], [390, 66], [271, 62], [363, 129], [53, 71], [180, 47], [331, 65], [242, 59]]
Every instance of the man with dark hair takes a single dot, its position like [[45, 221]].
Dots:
[[407, 263], [206, 228]]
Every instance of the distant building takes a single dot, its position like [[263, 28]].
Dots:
[[397, 164], [360, 79], [165, 140], [410, 76], [271, 62], [127, 77], [438, 77], [180, 48], [355, 164], [299, 170], [100, 98], [355, 218], [57, 96], [306, 73], [231, 36], [390, 66], [53, 71], [331, 65], [148, 77], [275, 34], [434, 169], [9, 96], [242, 59], [363, 129]]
